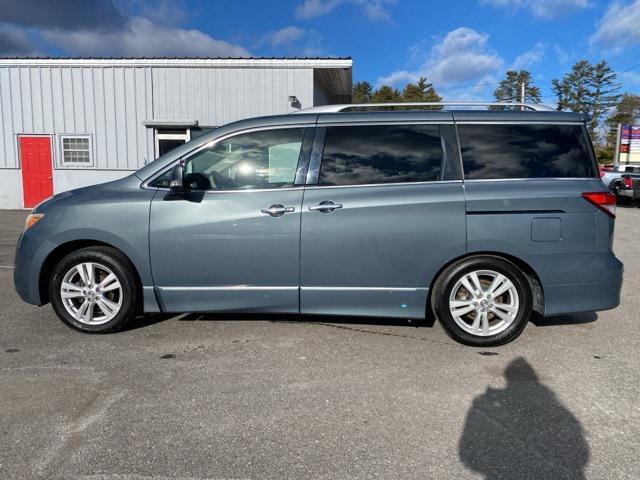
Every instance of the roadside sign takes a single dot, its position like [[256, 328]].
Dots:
[[628, 150]]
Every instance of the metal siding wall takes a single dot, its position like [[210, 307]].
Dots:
[[215, 96], [110, 103], [7, 158]]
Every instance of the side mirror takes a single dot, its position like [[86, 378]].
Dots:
[[176, 184]]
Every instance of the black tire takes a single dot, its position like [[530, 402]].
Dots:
[[620, 199], [120, 266], [448, 280]]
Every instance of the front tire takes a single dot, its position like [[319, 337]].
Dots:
[[94, 290], [483, 301]]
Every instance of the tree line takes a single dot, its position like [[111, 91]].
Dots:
[[587, 88]]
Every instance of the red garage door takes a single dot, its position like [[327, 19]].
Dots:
[[37, 177]]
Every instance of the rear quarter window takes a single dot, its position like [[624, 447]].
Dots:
[[525, 151]]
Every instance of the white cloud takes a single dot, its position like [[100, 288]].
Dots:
[[462, 56], [530, 57], [376, 9], [316, 8], [294, 40], [372, 9], [399, 77], [285, 36], [14, 42], [142, 37], [619, 27], [631, 78], [562, 54], [545, 9]]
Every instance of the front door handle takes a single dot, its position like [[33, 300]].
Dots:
[[277, 210], [326, 206]]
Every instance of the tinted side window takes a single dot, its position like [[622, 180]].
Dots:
[[525, 151], [372, 154]]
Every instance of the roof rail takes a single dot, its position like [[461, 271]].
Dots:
[[536, 107]]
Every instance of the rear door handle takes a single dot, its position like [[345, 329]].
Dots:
[[277, 210], [327, 206]]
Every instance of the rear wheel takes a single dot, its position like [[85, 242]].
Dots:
[[615, 189], [483, 301], [94, 290]]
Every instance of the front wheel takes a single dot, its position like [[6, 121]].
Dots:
[[483, 301], [94, 290]]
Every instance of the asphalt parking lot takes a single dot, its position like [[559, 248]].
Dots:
[[219, 397]]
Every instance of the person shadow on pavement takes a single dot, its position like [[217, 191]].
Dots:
[[523, 431]]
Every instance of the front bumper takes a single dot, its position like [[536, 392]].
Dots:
[[31, 253]]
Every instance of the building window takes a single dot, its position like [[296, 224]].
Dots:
[[168, 139], [76, 151]]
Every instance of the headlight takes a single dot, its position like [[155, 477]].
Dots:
[[32, 219]]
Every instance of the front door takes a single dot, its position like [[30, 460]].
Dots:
[[384, 217], [232, 242], [37, 176]]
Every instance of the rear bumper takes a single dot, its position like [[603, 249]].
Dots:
[[587, 297]]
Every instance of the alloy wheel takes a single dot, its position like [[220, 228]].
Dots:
[[484, 302], [91, 293]]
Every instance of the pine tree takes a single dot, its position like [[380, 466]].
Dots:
[[588, 88], [386, 94], [509, 89], [421, 91], [603, 94], [362, 92], [573, 91]]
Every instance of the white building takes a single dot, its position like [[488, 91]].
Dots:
[[67, 123]]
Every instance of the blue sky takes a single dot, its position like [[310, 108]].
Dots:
[[464, 46]]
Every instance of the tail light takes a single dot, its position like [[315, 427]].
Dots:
[[602, 171], [628, 182], [605, 201]]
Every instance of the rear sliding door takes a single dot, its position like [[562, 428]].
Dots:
[[383, 211]]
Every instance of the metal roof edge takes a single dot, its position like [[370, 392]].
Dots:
[[237, 62]]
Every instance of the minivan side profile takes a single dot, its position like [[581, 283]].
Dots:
[[483, 217]]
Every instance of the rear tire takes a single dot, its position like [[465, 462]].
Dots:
[[620, 199], [483, 301], [94, 290]]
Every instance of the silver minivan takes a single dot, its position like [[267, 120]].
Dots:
[[481, 217]]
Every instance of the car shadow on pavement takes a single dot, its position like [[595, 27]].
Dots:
[[573, 319], [523, 431], [151, 319], [148, 319], [295, 318]]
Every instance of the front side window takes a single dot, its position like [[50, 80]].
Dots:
[[374, 154], [76, 151], [525, 151], [256, 160]]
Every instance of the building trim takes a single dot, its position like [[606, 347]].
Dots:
[[180, 62], [170, 123]]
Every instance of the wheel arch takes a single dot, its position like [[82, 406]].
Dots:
[[66, 248], [535, 284]]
